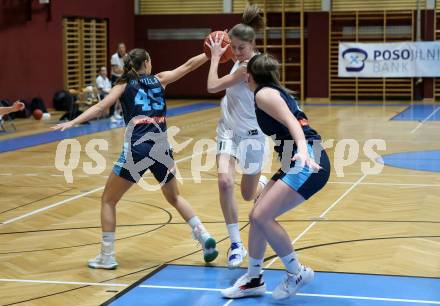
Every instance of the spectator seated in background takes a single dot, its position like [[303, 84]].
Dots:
[[66, 101], [90, 95], [103, 83], [81, 100]]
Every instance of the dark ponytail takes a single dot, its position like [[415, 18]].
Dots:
[[252, 21], [133, 62]]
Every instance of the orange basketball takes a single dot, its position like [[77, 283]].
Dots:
[[228, 55], [37, 114]]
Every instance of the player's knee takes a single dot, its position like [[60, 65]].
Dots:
[[247, 194], [107, 199], [173, 199], [256, 217], [225, 184]]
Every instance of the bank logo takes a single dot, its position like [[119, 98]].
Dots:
[[355, 59]]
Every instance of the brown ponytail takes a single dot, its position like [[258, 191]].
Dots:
[[133, 62], [253, 17], [252, 21]]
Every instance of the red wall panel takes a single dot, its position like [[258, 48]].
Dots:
[[32, 54], [32, 51], [168, 54], [317, 65], [428, 19]]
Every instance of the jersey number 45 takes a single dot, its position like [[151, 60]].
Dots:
[[148, 101]]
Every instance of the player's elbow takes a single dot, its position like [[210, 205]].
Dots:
[[99, 108], [211, 88]]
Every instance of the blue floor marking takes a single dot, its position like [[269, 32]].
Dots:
[[418, 160], [181, 110], [342, 289], [419, 113], [94, 127], [355, 104]]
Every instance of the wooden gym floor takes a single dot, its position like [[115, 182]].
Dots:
[[387, 223]]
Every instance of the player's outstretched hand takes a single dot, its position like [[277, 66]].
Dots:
[[17, 106], [305, 160], [63, 126], [216, 45]]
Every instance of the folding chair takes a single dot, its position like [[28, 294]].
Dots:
[[3, 123]]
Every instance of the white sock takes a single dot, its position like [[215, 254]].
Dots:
[[194, 221], [291, 263], [254, 267], [234, 232], [108, 242], [263, 180], [108, 237]]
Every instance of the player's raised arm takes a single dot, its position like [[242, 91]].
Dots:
[[95, 110], [168, 77], [17, 106]]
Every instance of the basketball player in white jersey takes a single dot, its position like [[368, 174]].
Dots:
[[239, 138]]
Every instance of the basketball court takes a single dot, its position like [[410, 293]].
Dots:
[[372, 237]]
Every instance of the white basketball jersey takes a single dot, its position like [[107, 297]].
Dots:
[[238, 109]]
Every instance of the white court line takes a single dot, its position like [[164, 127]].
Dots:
[[25, 166], [353, 297], [2, 166], [335, 296], [400, 175], [389, 184], [82, 195], [11, 280], [51, 206], [368, 298], [215, 179], [229, 302], [179, 288], [424, 120], [331, 182], [322, 215], [238, 180]]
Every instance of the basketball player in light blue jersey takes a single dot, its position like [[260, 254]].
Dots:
[[146, 144]]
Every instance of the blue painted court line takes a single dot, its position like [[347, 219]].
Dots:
[[199, 286], [428, 112], [196, 107], [418, 160], [356, 105], [94, 127]]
